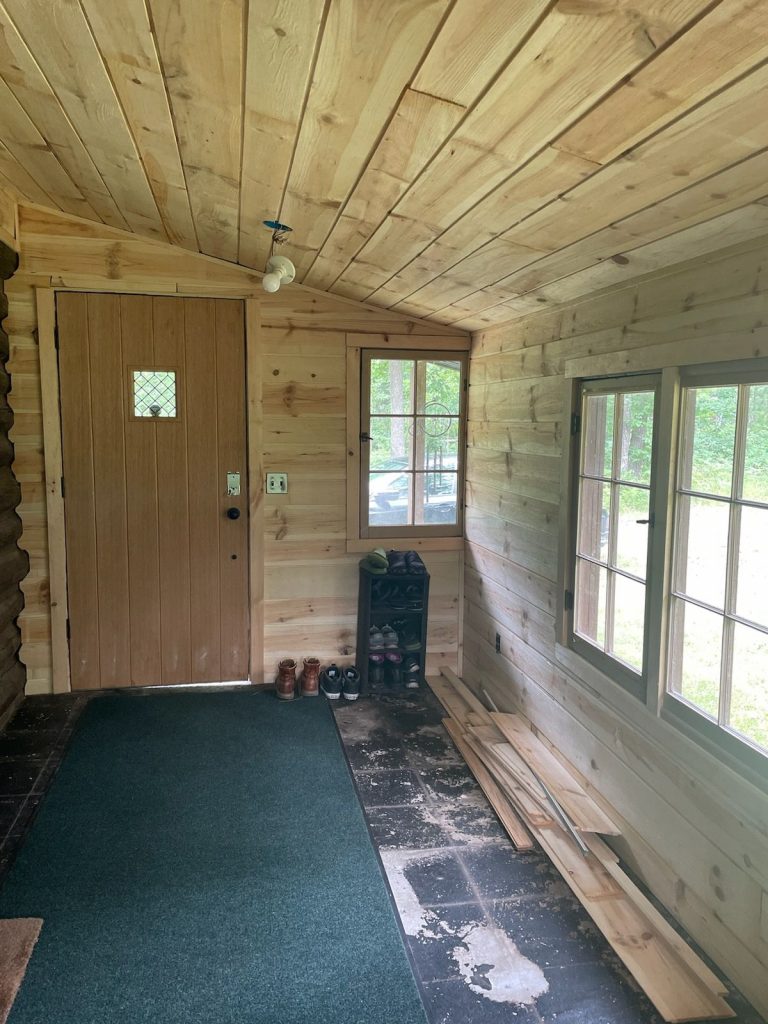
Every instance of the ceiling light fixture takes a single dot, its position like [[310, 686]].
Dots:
[[280, 270]]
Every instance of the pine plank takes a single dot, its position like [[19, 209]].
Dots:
[[354, 89], [127, 47], [34, 93], [512, 824], [201, 49], [74, 69], [582, 810], [281, 41]]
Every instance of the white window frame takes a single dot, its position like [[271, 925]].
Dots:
[[604, 674], [437, 530]]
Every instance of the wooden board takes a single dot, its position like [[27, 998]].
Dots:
[[580, 807], [513, 826]]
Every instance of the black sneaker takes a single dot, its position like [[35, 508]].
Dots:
[[410, 641], [330, 682], [411, 672], [351, 684], [376, 670], [392, 676]]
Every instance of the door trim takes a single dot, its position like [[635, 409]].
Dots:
[[55, 499]]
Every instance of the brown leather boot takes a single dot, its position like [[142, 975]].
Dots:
[[310, 678], [285, 684]]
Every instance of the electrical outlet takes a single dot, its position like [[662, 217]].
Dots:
[[498, 643], [277, 483]]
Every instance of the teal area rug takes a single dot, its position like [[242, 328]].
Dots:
[[204, 858]]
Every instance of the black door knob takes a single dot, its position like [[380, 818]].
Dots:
[[233, 513]]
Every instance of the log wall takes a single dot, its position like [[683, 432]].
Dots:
[[696, 831]]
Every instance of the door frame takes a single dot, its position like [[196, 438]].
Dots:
[[55, 500]]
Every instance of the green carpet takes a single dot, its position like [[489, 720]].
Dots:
[[204, 858]]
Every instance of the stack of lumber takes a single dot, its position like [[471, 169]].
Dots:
[[537, 796]]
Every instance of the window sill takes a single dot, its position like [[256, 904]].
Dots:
[[406, 543]]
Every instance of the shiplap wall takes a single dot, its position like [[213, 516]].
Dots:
[[694, 830], [310, 592]]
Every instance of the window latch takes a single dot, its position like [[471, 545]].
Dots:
[[365, 437], [646, 522]]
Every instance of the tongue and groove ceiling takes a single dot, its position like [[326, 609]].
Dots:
[[462, 160]]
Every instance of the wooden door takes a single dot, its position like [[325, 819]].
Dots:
[[153, 422]]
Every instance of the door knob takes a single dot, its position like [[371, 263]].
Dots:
[[233, 513]]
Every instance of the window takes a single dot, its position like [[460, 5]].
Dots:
[[153, 394], [666, 577], [412, 419], [613, 515], [718, 651]]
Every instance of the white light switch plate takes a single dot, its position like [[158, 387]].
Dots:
[[277, 483]]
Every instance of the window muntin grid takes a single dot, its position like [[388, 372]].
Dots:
[[153, 394]]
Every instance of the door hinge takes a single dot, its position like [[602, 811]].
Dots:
[[365, 437], [568, 601], [56, 337], [69, 631], [575, 424], [62, 487]]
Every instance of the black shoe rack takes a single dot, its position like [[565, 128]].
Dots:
[[385, 599]]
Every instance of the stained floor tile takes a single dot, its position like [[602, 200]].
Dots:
[[389, 788], [593, 994], [555, 931], [500, 871], [454, 1002]]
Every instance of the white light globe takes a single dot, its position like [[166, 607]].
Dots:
[[271, 282]]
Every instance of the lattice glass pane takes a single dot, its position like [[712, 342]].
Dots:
[[154, 394]]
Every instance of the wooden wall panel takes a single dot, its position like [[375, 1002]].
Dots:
[[671, 794], [310, 581]]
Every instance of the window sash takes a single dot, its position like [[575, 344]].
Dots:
[[418, 464], [608, 660], [737, 749]]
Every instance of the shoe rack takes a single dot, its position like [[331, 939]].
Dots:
[[383, 600]]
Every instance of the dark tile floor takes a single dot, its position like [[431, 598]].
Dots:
[[494, 935]]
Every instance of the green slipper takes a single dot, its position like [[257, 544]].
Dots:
[[372, 567], [378, 557]]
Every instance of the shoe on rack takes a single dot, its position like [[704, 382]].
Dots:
[[397, 563], [397, 601], [394, 656], [414, 597], [414, 563], [331, 681], [309, 684], [375, 639], [410, 641], [392, 676], [285, 683], [376, 669], [411, 672], [350, 686], [390, 637]]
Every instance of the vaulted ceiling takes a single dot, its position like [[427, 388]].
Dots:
[[463, 160]]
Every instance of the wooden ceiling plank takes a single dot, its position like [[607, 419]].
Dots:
[[26, 81], [76, 73], [201, 52], [477, 38], [28, 146], [495, 258], [727, 42], [476, 41], [727, 190], [740, 229], [282, 38], [576, 55], [718, 194], [726, 129], [20, 178], [124, 36], [355, 88], [418, 128], [542, 180], [699, 147]]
